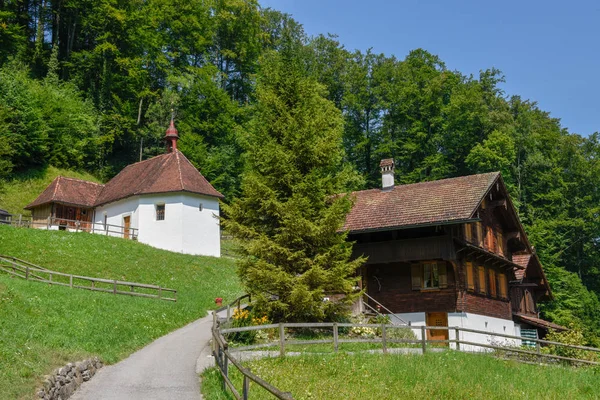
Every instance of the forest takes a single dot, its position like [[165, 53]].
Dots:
[[89, 85]]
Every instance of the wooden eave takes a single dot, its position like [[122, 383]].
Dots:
[[493, 258]]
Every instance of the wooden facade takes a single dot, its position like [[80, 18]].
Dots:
[[464, 267], [63, 215]]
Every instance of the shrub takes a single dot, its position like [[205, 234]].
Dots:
[[571, 337]]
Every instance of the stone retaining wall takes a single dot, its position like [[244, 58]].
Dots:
[[61, 384]]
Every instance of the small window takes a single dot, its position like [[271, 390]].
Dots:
[[83, 212], [200, 207], [160, 212], [470, 276], [492, 279], [482, 280], [429, 275]]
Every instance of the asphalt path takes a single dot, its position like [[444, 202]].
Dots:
[[165, 369]]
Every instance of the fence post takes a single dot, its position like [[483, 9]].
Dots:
[[115, 287], [384, 338], [246, 389], [457, 337], [48, 224], [225, 370], [50, 278], [71, 281], [281, 340], [335, 337], [20, 218], [159, 292], [423, 339], [539, 351]]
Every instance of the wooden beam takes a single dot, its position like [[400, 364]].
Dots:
[[513, 235], [497, 203]]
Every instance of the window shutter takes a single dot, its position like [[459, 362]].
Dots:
[[416, 276], [470, 277], [503, 291], [482, 280], [492, 277], [468, 233], [443, 275]]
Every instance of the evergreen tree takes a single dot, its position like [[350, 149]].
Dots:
[[288, 218]]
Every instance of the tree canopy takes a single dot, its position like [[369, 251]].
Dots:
[[84, 83]]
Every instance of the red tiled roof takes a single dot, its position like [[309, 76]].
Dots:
[[68, 191], [171, 172], [539, 322], [445, 200], [522, 260]]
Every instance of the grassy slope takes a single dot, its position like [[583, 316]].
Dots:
[[23, 188], [42, 327], [448, 375]]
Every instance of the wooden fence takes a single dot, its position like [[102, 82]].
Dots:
[[28, 271], [223, 353], [52, 223]]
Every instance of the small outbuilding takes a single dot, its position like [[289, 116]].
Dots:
[[163, 201]]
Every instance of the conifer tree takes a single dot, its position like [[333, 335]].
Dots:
[[289, 216]]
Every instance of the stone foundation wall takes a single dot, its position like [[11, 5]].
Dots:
[[63, 382]]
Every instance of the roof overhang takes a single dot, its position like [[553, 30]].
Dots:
[[30, 207], [425, 225], [539, 323], [493, 258]]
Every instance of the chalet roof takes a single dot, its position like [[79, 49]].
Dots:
[[171, 172], [442, 201], [538, 322], [4, 212], [68, 191]]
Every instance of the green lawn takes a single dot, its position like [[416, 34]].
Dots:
[[25, 187], [43, 327], [447, 375]]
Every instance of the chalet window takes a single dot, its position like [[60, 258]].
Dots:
[[492, 279], [429, 275], [470, 276], [468, 232], [160, 212], [481, 282], [502, 286]]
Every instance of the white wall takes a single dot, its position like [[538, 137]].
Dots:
[[185, 229], [470, 321], [115, 212]]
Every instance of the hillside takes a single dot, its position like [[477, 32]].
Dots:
[[22, 188], [448, 375], [42, 327]]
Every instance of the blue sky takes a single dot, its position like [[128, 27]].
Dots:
[[549, 51]]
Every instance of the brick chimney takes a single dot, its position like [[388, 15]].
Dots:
[[387, 173]]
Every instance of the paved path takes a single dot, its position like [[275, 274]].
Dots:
[[165, 369]]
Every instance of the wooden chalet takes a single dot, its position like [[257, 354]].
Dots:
[[450, 252]]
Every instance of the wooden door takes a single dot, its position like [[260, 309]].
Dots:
[[126, 225], [437, 319]]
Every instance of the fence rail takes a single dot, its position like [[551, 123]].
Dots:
[[223, 353], [53, 223], [25, 270]]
